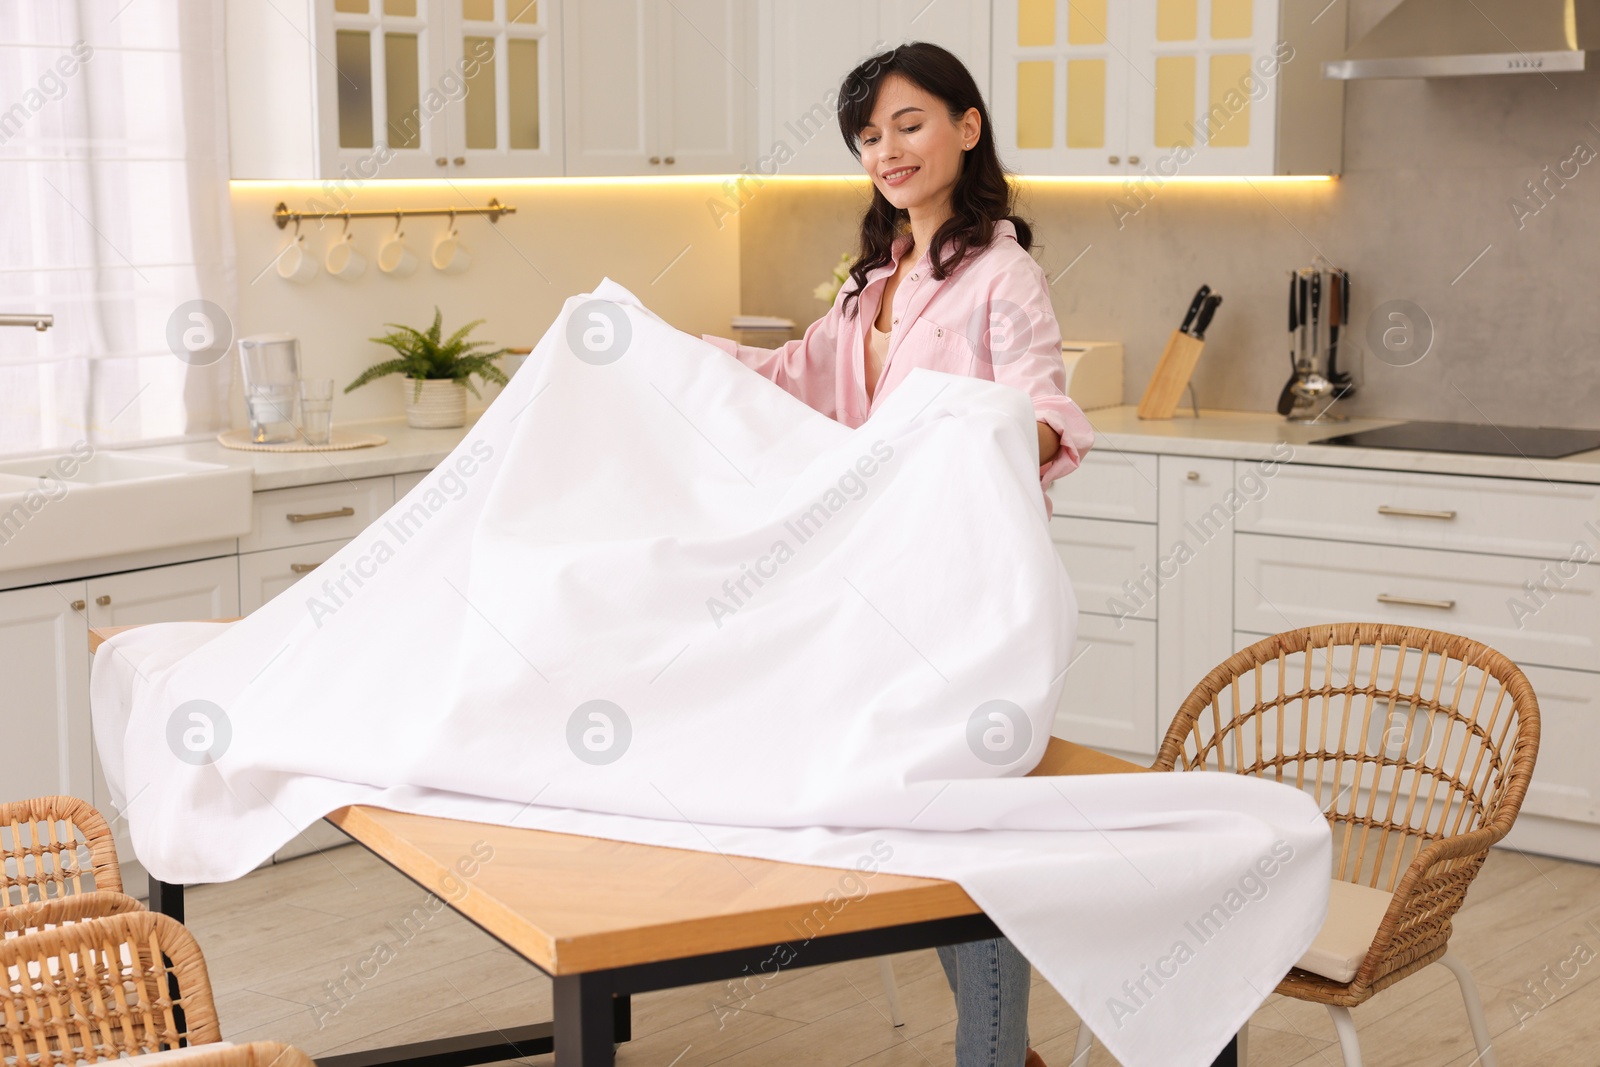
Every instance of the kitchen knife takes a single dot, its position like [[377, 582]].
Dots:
[[1294, 319], [1194, 308], [1206, 312], [1316, 317], [1304, 294]]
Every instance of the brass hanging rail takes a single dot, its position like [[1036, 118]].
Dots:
[[283, 216]]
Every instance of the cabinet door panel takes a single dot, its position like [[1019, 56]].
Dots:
[[44, 706], [206, 589], [1112, 565], [508, 123], [809, 47], [1109, 699], [1195, 570], [707, 80], [609, 48]]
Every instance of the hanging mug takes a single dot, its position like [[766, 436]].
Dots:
[[342, 259], [296, 263], [394, 258], [450, 256]]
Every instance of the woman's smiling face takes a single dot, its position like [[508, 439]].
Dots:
[[910, 148]]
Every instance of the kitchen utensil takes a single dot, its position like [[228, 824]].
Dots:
[[1194, 307], [1315, 344], [271, 366], [342, 259], [1286, 397], [316, 410], [1206, 314], [296, 263], [1338, 316]]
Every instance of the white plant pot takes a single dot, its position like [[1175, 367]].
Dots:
[[442, 405]]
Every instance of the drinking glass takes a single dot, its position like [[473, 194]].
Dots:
[[316, 410]]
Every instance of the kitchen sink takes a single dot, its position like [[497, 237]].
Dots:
[[57, 509]]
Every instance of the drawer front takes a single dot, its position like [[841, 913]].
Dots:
[[1503, 516], [263, 575], [1109, 700], [1109, 485], [308, 514], [1282, 583], [404, 483], [1100, 556]]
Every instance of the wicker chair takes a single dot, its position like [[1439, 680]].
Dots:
[[102, 989], [43, 842], [1419, 746], [255, 1054]]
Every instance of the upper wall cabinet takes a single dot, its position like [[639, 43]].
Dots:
[[1167, 87], [658, 86], [808, 46], [361, 89]]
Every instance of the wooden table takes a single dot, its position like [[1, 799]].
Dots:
[[607, 919]]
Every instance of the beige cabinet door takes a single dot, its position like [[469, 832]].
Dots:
[[44, 704], [707, 86]]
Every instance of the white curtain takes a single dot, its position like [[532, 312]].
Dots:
[[113, 217]]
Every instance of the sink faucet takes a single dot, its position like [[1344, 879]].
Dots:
[[40, 322]]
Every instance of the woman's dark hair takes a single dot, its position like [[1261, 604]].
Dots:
[[982, 196]]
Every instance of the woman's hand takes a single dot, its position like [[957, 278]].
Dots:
[[1049, 443]]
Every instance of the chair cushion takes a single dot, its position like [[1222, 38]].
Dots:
[[1354, 914]]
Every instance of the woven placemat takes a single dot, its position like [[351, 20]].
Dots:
[[342, 441]]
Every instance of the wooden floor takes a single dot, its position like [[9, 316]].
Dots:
[[335, 952]]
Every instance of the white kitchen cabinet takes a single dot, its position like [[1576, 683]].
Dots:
[[1108, 485], [657, 86], [1112, 565], [808, 46], [44, 646], [1157, 89], [364, 89], [1194, 573]]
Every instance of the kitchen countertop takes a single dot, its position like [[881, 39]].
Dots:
[[407, 450], [1251, 435]]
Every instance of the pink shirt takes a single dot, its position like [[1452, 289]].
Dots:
[[991, 319]]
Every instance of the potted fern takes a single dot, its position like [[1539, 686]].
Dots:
[[440, 369]]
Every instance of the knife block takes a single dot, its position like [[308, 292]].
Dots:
[[1166, 386]]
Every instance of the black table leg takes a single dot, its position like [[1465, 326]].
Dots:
[[1229, 1056], [166, 898], [586, 1018]]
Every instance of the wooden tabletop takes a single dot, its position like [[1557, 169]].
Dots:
[[574, 904]]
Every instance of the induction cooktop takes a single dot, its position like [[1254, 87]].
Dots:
[[1532, 442]]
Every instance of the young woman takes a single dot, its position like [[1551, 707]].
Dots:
[[943, 280]]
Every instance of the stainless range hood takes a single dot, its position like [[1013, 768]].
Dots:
[[1442, 38]]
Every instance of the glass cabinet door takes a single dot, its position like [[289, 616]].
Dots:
[[1059, 85], [505, 122], [382, 97], [1203, 97]]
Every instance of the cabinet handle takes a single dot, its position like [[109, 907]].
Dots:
[[460, 161], [1193, 476], [655, 159], [1416, 513], [439, 161], [1115, 160], [1416, 602], [670, 160], [78, 605], [303, 568], [1133, 160], [102, 600], [341, 513]]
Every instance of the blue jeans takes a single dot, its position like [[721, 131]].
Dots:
[[990, 980]]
